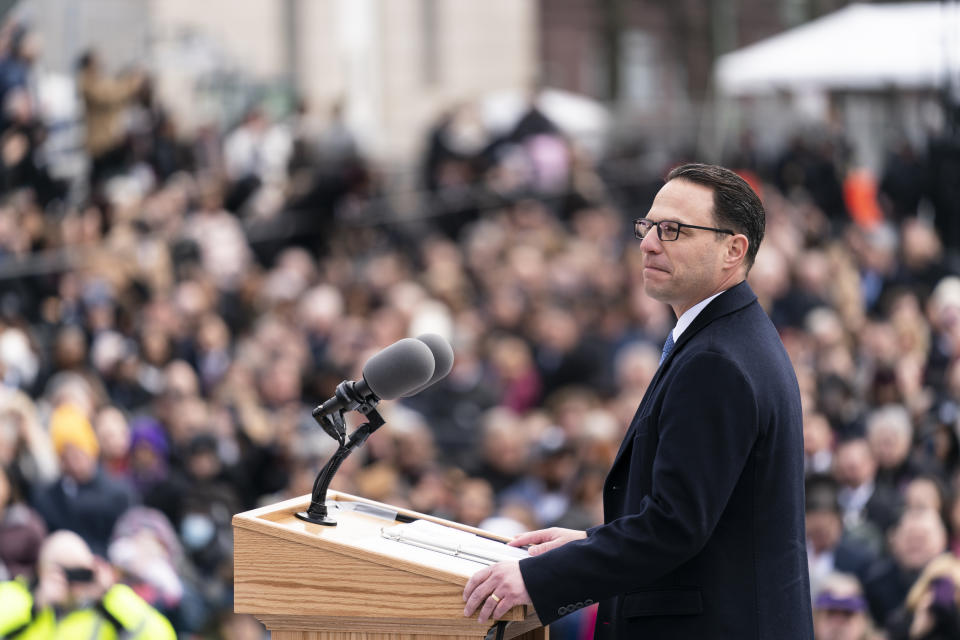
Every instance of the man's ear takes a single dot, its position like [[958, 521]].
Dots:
[[736, 250]]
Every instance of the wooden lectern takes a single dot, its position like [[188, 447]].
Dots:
[[311, 582]]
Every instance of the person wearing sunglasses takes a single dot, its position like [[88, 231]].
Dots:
[[703, 533]]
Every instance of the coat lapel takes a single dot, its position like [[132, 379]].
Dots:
[[731, 300]]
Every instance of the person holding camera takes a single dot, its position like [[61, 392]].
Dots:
[[932, 609], [76, 596]]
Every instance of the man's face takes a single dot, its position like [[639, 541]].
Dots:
[[918, 539], [824, 529], [78, 464], [890, 447], [854, 464], [684, 271]]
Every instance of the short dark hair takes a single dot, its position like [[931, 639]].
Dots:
[[820, 494], [735, 204]]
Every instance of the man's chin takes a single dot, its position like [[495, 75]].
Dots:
[[654, 291]]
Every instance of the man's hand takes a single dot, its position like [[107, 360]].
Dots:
[[52, 588], [546, 539], [495, 590]]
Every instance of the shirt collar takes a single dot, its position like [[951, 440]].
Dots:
[[690, 315]]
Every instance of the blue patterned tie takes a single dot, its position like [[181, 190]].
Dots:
[[667, 347]]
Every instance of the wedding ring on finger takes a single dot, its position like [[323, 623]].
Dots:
[[495, 597]]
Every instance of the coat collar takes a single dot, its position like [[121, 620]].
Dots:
[[733, 299]]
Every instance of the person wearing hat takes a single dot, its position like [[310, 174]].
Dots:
[[83, 499], [932, 608], [840, 610]]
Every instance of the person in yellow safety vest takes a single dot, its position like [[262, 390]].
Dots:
[[76, 598]]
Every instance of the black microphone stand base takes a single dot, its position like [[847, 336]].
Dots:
[[326, 521]]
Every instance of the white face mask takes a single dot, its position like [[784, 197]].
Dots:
[[197, 530]]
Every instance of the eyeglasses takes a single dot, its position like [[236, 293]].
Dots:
[[668, 230]]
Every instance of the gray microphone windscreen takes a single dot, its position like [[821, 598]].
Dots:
[[442, 356], [399, 369]]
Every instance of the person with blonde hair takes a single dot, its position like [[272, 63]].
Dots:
[[84, 498], [932, 608]]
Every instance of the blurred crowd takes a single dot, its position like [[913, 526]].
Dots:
[[164, 338]]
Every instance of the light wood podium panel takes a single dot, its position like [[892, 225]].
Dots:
[[312, 582]]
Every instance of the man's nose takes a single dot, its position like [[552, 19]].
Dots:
[[651, 241]]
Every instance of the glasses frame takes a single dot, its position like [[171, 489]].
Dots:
[[680, 225]]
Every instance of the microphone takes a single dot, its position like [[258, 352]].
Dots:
[[442, 357], [401, 369], [392, 372]]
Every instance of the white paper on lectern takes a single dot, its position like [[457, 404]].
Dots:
[[459, 545]]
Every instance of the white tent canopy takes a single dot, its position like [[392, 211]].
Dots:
[[859, 47]]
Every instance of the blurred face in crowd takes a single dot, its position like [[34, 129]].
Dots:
[[890, 445], [817, 435], [557, 468], [511, 358], [770, 276], [698, 263], [505, 446], [635, 367], [204, 465], [918, 538], [180, 380], [280, 383], [30, 47], [78, 464], [921, 246], [854, 464], [155, 346], [189, 417], [557, 329], [70, 350], [921, 494], [824, 529], [113, 433], [475, 502], [414, 448]]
